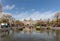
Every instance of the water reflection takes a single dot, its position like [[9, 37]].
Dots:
[[36, 35], [57, 35]]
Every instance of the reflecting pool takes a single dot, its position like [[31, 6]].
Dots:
[[34, 35]]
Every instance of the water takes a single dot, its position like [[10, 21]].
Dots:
[[36, 35]]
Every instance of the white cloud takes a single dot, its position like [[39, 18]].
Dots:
[[33, 10], [35, 15], [6, 13], [8, 7], [22, 8], [42, 15]]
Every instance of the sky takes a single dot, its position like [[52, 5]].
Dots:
[[35, 9]]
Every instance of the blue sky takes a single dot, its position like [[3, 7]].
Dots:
[[34, 9]]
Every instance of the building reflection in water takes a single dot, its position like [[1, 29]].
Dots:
[[57, 35], [6, 37], [46, 35]]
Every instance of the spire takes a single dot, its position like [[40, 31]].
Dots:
[[30, 19], [25, 20]]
